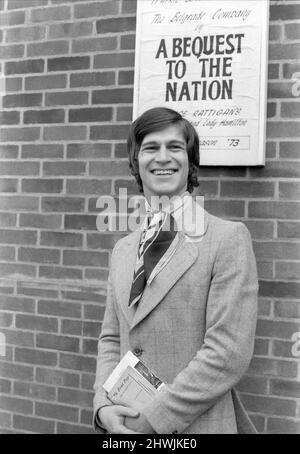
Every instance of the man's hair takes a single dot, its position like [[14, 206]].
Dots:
[[158, 119]]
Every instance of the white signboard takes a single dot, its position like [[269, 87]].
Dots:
[[207, 60]]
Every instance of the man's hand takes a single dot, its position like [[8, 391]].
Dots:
[[113, 416], [140, 424]]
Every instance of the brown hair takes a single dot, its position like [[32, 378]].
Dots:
[[157, 119]]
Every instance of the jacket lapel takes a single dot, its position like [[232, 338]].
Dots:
[[183, 258]]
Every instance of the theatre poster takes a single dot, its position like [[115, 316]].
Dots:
[[207, 60]]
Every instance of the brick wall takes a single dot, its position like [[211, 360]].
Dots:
[[67, 88]]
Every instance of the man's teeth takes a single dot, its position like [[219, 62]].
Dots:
[[163, 172]]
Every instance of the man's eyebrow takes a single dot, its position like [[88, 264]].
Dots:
[[149, 143], [172, 141]]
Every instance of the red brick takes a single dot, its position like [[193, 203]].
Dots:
[[19, 134], [274, 210], [70, 30], [269, 405], [289, 190], [128, 42], [89, 150], [80, 398], [85, 258], [42, 185], [19, 168], [86, 416], [91, 329], [57, 377], [8, 152], [271, 367], [16, 371], [109, 168], [59, 308], [34, 425], [289, 150], [279, 289], [72, 327], [44, 116], [273, 71], [94, 312], [37, 357], [89, 346], [23, 100], [5, 420], [87, 381], [50, 14], [284, 129], [16, 304], [275, 32], [77, 362], [124, 113], [24, 66], [64, 133], [114, 60], [39, 255], [16, 405], [289, 69], [85, 186], [48, 82], [60, 343], [42, 151], [284, 51], [230, 209], [112, 96], [261, 347], [5, 388], [13, 84], [96, 79], [283, 349], [40, 289], [271, 110], [56, 272], [34, 391], [17, 237], [253, 385], [37, 323], [62, 204], [276, 250], [7, 253], [21, 338], [10, 18], [265, 269], [283, 426], [80, 222], [64, 168], [6, 319], [284, 12], [96, 9], [271, 328], [8, 185], [280, 90], [63, 428], [114, 25], [9, 118], [15, 4], [247, 189], [68, 63], [285, 388], [102, 240], [61, 239], [94, 44], [47, 48], [60, 412], [290, 110], [287, 309], [288, 230], [287, 271], [23, 34], [40, 221], [90, 115]]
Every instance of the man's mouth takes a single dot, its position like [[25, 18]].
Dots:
[[164, 171]]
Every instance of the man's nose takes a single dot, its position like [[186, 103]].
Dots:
[[162, 154]]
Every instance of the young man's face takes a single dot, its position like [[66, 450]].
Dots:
[[163, 163]]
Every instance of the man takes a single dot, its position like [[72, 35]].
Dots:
[[192, 317]]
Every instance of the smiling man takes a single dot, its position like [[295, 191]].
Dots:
[[182, 295]]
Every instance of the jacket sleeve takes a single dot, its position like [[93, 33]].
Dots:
[[228, 344], [108, 353]]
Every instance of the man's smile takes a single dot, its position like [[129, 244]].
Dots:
[[164, 171]]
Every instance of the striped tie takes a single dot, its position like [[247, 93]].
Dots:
[[155, 241]]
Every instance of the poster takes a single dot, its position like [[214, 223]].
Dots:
[[207, 60]]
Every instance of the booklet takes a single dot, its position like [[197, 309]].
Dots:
[[132, 383]]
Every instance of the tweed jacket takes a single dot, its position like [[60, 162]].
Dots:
[[194, 327]]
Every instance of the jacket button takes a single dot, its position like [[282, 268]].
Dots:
[[138, 351]]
